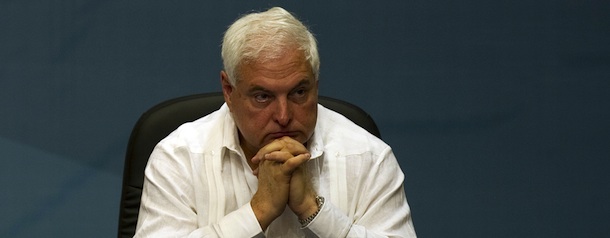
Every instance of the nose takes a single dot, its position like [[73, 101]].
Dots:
[[283, 112]]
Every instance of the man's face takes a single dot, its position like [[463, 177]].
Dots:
[[273, 99]]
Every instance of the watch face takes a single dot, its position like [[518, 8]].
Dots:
[[319, 200]]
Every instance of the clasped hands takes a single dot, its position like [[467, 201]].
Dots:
[[282, 180]]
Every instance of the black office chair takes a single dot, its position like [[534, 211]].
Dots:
[[156, 123]]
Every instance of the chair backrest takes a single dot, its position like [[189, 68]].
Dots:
[[156, 123]]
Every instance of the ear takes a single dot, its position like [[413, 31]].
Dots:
[[316, 87], [227, 88], [317, 91]]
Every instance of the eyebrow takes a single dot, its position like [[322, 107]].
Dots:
[[257, 88]]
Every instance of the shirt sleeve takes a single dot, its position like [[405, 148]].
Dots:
[[381, 208], [168, 208]]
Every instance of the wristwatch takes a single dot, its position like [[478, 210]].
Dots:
[[305, 222]]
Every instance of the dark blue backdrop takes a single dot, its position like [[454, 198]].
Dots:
[[497, 110]]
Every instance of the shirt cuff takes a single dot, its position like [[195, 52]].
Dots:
[[240, 223], [330, 222]]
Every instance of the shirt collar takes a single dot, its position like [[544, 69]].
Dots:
[[315, 144], [230, 137]]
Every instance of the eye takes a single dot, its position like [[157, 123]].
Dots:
[[301, 92], [262, 97]]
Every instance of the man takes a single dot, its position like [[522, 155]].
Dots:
[[271, 161]]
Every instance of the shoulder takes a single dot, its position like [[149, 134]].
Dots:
[[194, 135], [340, 133]]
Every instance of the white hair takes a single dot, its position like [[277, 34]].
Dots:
[[266, 36]]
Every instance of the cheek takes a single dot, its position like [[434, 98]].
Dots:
[[254, 121], [309, 115], [242, 117]]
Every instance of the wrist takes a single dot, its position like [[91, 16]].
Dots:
[[265, 213], [306, 208], [305, 220]]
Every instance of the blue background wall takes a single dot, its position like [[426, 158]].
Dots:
[[497, 110]]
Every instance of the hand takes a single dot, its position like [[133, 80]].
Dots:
[[284, 144], [274, 178], [301, 198]]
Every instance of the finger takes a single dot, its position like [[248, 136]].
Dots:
[[285, 144], [293, 163], [278, 156], [275, 145], [293, 146]]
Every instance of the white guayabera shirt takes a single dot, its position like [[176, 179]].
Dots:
[[198, 184]]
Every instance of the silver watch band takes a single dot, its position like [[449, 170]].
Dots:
[[305, 222]]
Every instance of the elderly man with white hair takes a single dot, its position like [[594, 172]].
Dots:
[[272, 161]]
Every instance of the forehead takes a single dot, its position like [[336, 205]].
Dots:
[[290, 66]]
